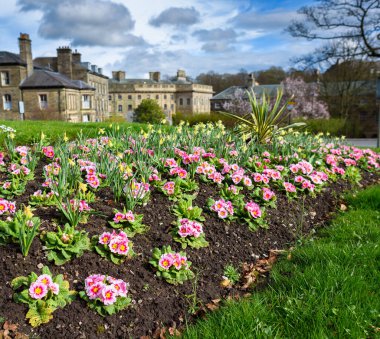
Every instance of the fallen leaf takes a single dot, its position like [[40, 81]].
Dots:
[[343, 207], [173, 331]]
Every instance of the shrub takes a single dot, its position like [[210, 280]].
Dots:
[[149, 111]]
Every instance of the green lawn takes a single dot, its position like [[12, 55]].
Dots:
[[28, 131], [329, 288]]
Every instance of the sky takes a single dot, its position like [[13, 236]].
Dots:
[[139, 36]]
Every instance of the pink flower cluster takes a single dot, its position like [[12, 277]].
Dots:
[[120, 217], [224, 208], [175, 260], [209, 170], [105, 289], [16, 169], [189, 228], [253, 209], [22, 150], [259, 177], [267, 194], [117, 243], [289, 187], [42, 286], [48, 151], [52, 168], [169, 187], [303, 166], [80, 205], [2, 159], [7, 206], [91, 175], [182, 173]]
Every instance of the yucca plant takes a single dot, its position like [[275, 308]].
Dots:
[[263, 123]]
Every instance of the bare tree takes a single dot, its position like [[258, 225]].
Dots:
[[345, 24]]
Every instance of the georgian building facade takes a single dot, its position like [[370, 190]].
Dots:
[[177, 95]]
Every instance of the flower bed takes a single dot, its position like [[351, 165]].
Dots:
[[193, 203]]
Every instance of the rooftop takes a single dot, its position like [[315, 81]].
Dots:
[[48, 79], [8, 58]]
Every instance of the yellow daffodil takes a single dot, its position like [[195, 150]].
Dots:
[[65, 138], [28, 211], [82, 187]]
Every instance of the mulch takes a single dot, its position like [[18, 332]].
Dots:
[[157, 304]]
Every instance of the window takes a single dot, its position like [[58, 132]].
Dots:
[[120, 108], [148, 96], [217, 105], [7, 100], [165, 106], [5, 78], [120, 96], [129, 108], [43, 101], [188, 101], [172, 97], [165, 96], [85, 101], [139, 97], [181, 101], [110, 97], [172, 106], [157, 97], [85, 118], [129, 97]]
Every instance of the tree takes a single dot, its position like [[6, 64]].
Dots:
[[149, 111], [346, 24], [272, 75], [239, 104], [346, 87], [305, 97]]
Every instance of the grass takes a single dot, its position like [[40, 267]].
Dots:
[[329, 287], [29, 131]]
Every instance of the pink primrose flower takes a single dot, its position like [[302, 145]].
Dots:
[[108, 295], [166, 261], [38, 290], [118, 217], [105, 238], [45, 279]]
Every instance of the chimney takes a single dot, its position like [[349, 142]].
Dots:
[[77, 57], [155, 76], [181, 75], [94, 68], [64, 61], [25, 45], [118, 75], [251, 81], [100, 70]]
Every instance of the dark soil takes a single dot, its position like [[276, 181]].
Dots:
[[156, 303]]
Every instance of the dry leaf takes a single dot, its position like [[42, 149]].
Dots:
[[9, 326], [343, 207], [174, 331], [226, 283]]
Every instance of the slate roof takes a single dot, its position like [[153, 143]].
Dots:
[[229, 93], [48, 79], [8, 58], [150, 81]]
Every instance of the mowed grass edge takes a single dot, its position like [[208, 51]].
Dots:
[[29, 131], [329, 287]]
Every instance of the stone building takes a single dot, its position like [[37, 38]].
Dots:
[[177, 95], [62, 87]]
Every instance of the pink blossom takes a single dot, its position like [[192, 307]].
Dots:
[[108, 295], [166, 261], [38, 290], [105, 238]]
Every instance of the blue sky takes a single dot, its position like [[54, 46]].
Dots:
[[162, 35]]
